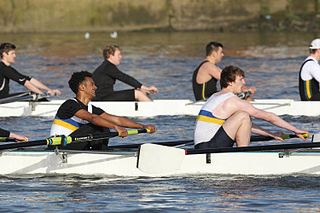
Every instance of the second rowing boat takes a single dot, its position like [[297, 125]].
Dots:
[[158, 107]]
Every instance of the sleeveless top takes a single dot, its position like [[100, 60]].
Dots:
[[207, 123], [205, 90], [307, 88], [69, 125]]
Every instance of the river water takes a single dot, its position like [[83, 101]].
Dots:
[[271, 62]]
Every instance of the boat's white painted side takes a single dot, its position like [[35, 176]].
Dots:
[[158, 107], [124, 164]]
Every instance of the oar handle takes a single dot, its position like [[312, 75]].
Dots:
[[137, 131], [268, 138], [7, 139]]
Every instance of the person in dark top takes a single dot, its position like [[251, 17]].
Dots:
[[78, 117], [207, 74], [7, 134], [309, 75], [106, 75], [7, 73]]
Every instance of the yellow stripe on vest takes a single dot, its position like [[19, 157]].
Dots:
[[65, 124], [203, 91], [210, 120], [308, 89]]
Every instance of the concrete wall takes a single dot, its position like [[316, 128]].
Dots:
[[109, 15]]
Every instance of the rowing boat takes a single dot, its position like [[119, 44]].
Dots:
[[158, 160], [157, 108]]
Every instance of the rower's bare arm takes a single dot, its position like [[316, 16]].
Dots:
[[32, 87], [41, 86], [207, 71], [125, 122], [267, 116], [100, 121], [214, 71], [261, 131]]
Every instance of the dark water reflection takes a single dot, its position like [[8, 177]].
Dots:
[[167, 60]]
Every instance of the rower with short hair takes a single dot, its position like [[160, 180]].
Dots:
[[77, 117], [207, 74], [309, 75], [106, 75], [225, 118], [7, 73]]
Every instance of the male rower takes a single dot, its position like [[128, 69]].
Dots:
[[7, 72], [78, 117], [309, 75], [7, 134], [207, 74], [106, 75], [225, 118]]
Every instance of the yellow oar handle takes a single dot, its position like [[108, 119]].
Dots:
[[58, 140], [285, 137], [64, 140], [138, 131]]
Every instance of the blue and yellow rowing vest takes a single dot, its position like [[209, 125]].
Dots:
[[69, 125], [207, 123]]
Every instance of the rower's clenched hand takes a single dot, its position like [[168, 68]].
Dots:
[[121, 131], [54, 92], [302, 134], [151, 128], [19, 138], [149, 90]]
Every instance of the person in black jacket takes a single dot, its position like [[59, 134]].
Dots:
[[7, 73], [106, 75]]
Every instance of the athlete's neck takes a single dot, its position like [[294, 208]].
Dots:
[[83, 98], [5, 62], [211, 60]]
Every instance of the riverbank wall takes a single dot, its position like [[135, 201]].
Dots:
[[157, 15]]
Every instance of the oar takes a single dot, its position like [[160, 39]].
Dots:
[[254, 138], [6, 139], [64, 140], [17, 97], [26, 96]]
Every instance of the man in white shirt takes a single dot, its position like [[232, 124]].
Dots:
[[309, 75]]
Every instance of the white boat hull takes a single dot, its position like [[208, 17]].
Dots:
[[158, 107], [125, 164]]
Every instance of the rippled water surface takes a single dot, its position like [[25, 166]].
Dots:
[[167, 60]]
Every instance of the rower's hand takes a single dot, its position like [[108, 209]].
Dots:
[[122, 132], [149, 90], [302, 134], [19, 138], [151, 128], [54, 92], [251, 89]]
